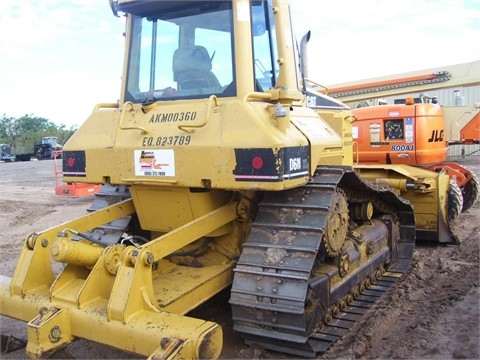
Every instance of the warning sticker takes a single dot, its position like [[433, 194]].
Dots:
[[154, 162]]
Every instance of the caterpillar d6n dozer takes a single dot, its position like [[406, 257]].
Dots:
[[219, 171]]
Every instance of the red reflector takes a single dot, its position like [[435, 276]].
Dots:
[[257, 162], [70, 161]]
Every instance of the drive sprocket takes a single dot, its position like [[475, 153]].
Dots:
[[336, 227]]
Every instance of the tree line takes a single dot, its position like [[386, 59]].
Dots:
[[24, 132]]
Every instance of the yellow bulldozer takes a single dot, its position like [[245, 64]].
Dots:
[[221, 170]]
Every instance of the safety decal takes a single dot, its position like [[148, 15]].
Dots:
[[409, 130], [375, 134], [355, 132]]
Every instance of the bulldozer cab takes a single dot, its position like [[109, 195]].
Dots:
[[186, 50], [209, 75]]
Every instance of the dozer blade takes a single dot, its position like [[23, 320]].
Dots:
[[435, 204], [113, 295], [160, 335]]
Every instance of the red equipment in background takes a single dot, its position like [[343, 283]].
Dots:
[[70, 189]]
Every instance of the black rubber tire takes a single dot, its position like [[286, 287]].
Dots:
[[455, 201], [470, 191]]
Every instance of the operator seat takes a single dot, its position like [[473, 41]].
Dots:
[[192, 68]]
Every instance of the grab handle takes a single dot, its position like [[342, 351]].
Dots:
[[130, 109], [212, 101]]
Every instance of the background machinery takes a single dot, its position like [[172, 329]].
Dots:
[[45, 149], [416, 131], [6, 153], [216, 176]]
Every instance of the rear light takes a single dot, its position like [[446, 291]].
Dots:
[[257, 162], [70, 161]]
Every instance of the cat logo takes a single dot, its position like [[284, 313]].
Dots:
[[311, 101]]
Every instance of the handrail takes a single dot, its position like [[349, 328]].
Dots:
[[106, 106], [356, 152], [191, 128], [136, 181], [325, 91], [128, 106], [257, 95]]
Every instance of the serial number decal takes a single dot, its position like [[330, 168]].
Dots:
[[173, 117], [166, 140]]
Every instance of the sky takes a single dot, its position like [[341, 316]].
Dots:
[[59, 58]]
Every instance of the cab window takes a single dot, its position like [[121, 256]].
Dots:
[[393, 129], [187, 56]]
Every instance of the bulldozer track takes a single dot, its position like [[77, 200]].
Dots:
[[277, 290], [319, 342]]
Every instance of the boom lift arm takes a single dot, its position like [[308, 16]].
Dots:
[[445, 77], [430, 128], [462, 123]]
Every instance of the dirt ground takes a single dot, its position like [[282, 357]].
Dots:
[[432, 313]]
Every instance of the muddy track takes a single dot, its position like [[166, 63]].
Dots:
[[433, 312]]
